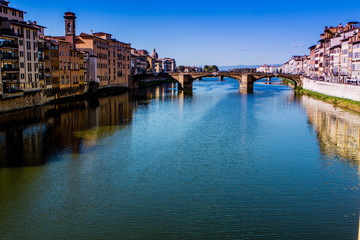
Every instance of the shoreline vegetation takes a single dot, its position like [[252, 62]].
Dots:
[[343, 103]]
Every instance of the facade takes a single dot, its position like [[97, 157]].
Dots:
[[192, 69], [113, 57], [267, 69], [336, 57], [169, 65], [64, 65], [19, 51], [163, 65], [139, 61]]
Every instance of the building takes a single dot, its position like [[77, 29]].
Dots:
[[19, 51], [139, 61], [267, 69], [163, 65], [335, 58], [113, 57], [169, 65]]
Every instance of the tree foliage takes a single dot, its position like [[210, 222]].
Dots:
[[211, 68]]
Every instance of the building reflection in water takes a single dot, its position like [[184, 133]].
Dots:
[[30, 137], [338, 130]]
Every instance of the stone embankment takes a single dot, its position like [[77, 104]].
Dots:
[[339, 90]]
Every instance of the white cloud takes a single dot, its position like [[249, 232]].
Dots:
[[297, 45]]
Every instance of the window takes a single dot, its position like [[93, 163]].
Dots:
[[29, 67], [29, 56], [14, 13], [29, 77], [21, 42], [28, 34], [21, 65]]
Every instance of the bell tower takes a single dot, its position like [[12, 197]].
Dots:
[[70, 28]]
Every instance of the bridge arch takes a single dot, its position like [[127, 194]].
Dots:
[[295, 79], [185, 80], [220, 76]]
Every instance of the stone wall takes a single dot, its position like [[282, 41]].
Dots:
[[351, 92], [25, 101]]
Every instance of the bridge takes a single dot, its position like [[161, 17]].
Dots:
[[185, 80]]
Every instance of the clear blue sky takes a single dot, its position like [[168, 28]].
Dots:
[[199, 32]]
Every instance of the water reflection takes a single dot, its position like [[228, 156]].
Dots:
[[338, 130], [214, 164], [29, 137]]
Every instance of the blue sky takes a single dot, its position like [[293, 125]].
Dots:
[[226, 32]]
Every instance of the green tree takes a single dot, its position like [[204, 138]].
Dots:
[[211, 68], [206, 68], [181, 68]]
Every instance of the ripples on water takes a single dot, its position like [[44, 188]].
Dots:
[[161, 164]]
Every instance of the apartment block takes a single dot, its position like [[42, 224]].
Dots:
[[19, 50], [336, 57], [113, 57]]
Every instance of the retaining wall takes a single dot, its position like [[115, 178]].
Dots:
[[351, 92]]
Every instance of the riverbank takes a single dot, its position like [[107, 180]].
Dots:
[[288, 82], [28, 101], [43, 98], [338, 102]]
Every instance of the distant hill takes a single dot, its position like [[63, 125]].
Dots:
[[225, 68]]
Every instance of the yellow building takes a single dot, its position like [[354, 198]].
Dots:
[[113, 57]]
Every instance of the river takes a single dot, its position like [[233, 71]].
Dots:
[[212, 163]]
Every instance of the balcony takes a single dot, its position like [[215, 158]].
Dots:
[[9, 57], [13, 77], [10, 69], [10, 32], [8, 44]]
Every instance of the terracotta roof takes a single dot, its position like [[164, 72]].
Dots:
[[12, 8]]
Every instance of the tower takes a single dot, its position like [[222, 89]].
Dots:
[[70, 28], [154, 54]]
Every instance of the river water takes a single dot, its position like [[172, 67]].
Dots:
[[162, 164]]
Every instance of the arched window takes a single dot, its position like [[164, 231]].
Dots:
[[69, 27]]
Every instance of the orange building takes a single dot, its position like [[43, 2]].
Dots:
[[113, 57]]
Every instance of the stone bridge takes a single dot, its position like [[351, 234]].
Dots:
[[185, 80]]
